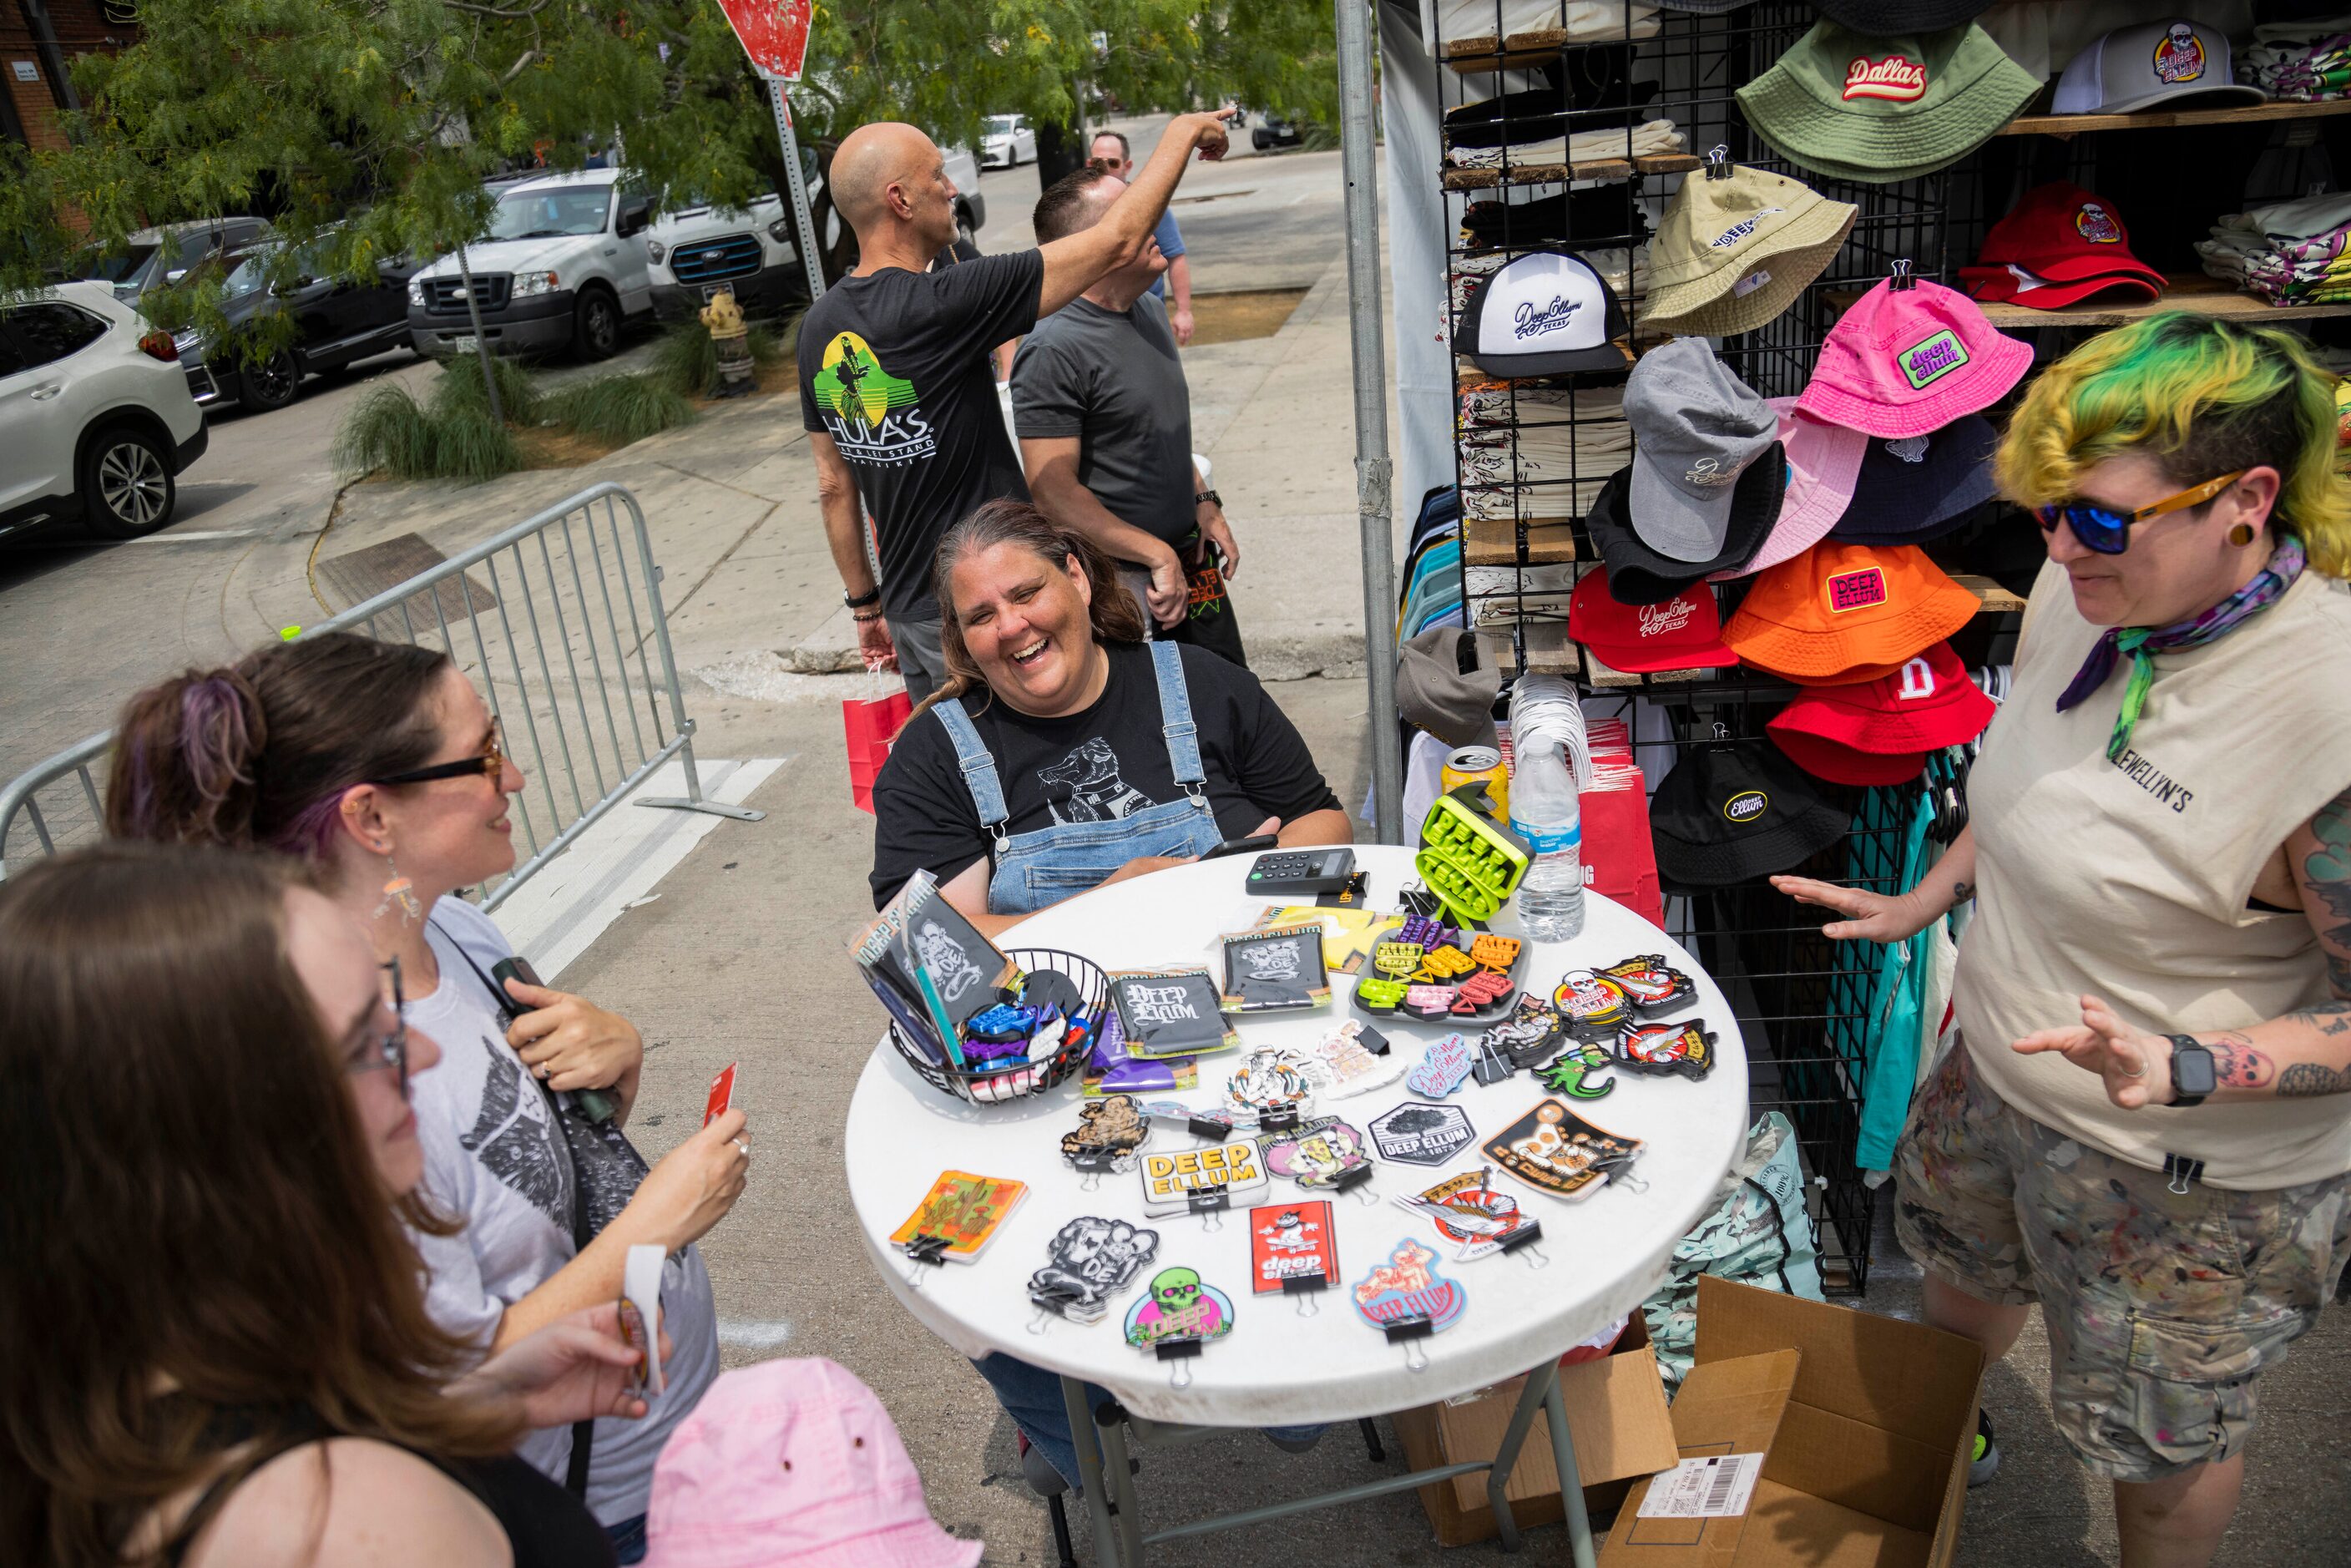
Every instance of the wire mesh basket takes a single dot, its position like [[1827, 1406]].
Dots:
[[928, 1054]]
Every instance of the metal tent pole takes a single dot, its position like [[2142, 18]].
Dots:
[[1373, 477]]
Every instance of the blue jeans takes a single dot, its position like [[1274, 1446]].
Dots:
[[1032, 1397], [628, 1540]]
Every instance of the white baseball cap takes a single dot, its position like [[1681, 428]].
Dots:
[[1544, 313], [2152, 63]]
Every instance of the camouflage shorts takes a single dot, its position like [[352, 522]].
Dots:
[[2163, 1308]]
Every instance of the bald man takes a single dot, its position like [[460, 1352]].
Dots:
[[897, 391]]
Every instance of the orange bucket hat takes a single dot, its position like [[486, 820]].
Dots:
[[1843, 614]]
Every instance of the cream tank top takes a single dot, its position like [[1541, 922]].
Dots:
[[2130, 880]]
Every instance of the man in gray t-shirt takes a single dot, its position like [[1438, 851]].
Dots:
[[1105, 424]]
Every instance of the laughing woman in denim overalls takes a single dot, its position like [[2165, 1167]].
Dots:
[[1022, 616]]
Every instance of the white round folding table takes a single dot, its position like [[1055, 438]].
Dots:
[[1598, 1258]]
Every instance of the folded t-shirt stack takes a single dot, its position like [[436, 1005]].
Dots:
[[1564, 445], [2288, 253], [1643, 140], [1602, 215], [2306, 61]]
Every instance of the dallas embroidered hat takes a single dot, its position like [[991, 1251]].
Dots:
[[1698, 430], [1879, 732], [1737, 247], [2058, 244], [2167, 62], [1840, 614], [1639, 575], [1683, 632], [1544, 313], [1733, 812], [1882, 108], [1903, 362], [1913, 488], [1823, 463]]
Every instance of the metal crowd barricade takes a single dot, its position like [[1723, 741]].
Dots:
[[564, 633]]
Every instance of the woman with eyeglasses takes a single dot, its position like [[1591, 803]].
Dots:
[[2160, 850], [380, 765], [221, 1355]]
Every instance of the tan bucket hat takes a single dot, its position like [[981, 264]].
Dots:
[[1737, 247]]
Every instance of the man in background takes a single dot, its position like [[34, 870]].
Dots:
[[1105, 424], [1110, 150], [896, 392]]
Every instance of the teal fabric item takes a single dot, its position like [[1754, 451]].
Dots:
[[1890, 1044]]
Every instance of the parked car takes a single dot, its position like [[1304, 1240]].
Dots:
[[1272, 130], [96, 420], [1007, 141], [336, 322], [696, 251], [156, 257], [564, 268]]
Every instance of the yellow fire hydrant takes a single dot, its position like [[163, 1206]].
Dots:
[[732, 341]]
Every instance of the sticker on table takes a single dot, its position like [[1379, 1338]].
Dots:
[[1109, 1131], [1271, 971], [1326, 1153], [1181, 1313], [1573, 1072], [1442, 1067], [1528, 1035], [1418, 1134], [1348, 1063], [1201, 1181], [958, 1218], [1407, 1300], [1555, 1151], [1274, 1086], [1592, 1005], [1170, 1012], [1651, 984], [1682, 1050], [1479, 1218], [1090, 1260], [1293, 1250]]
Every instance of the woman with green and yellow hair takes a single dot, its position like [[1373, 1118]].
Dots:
[[2160, 850]]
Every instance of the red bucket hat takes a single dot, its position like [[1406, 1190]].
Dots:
[[1879, 732], [2058, 246], [1906, 361], [1684, 632]]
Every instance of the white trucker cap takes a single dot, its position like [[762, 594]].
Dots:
[[1544, 313], [2154, 63]]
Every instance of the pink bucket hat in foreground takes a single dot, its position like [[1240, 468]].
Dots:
[[1824, 465], [1907, 361], [792, 1463]]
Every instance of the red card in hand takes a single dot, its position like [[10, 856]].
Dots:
[[722, 1094]]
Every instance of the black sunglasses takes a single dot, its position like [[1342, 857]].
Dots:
[[490, 763], [390, 1048]]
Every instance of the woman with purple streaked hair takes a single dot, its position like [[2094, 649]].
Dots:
[[380, 765]]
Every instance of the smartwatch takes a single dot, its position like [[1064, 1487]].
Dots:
[[1211, 497], [2192, 1077]]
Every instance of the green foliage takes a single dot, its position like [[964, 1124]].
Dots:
[[618, 408], [458, 390], [686, 363], [390, 433]]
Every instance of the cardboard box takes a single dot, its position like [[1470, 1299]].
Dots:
[[1615, 1412], [1864, 1422]]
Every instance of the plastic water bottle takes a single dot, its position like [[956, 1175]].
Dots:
[[1546, 812]]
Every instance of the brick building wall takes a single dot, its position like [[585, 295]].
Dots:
[[31, 107]]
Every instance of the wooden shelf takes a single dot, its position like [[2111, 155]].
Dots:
[[1991, 597], [2067, 125], [1494, 541], [2194, 291], [1559, 173], [1519, 52]]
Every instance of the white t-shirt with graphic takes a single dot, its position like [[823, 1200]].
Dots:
[[495, 1159]]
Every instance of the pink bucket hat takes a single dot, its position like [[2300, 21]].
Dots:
[[792, 1462], [1824, 465], [1909, 361]]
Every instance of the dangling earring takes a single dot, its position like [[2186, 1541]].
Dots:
[[2242, 534], [399, 890]]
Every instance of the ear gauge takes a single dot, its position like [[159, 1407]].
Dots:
[[2242, 534]]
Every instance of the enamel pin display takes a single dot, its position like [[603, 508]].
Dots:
[[1090, 1260], [1555, 1151], [1179, 1314], [1408, 1300]]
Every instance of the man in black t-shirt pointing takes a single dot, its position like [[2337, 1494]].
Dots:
[[896, 389]]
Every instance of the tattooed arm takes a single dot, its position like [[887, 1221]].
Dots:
[[2295, 1057]]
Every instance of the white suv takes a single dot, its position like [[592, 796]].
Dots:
[[96, 419], [564, 267]]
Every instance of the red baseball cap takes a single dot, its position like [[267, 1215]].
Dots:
[[2058, 246], [1684, 632], [1880, 731]]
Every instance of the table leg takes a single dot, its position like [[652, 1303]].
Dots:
[[1120, 1476], [1540, 1382], [1090, 1471], [1570, 1478]]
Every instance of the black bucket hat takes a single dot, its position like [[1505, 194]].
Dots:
[[1920, 487], [1639, 575], [1737, 810]]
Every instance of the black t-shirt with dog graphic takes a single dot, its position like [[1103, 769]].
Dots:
[[1099, 765]]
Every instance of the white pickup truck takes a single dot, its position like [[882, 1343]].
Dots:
[[563, 268]]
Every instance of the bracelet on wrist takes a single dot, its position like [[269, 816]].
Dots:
[[863, 616], [1208, 498]]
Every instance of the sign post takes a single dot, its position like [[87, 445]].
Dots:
[[774, 34]]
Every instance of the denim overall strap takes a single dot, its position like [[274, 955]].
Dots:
[[1175, 711], [979, 775]]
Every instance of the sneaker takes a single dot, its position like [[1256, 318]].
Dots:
[[1984, 1463], [1037, 1470]]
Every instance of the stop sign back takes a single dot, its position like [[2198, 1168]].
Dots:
[[775, 33]]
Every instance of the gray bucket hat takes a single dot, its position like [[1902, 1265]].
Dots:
[[1696, 428]]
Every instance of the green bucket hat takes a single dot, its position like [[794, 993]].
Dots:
[[1852, 107], [1736, 247]]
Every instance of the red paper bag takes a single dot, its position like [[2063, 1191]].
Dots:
[[872, 725], [1619, 859]]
